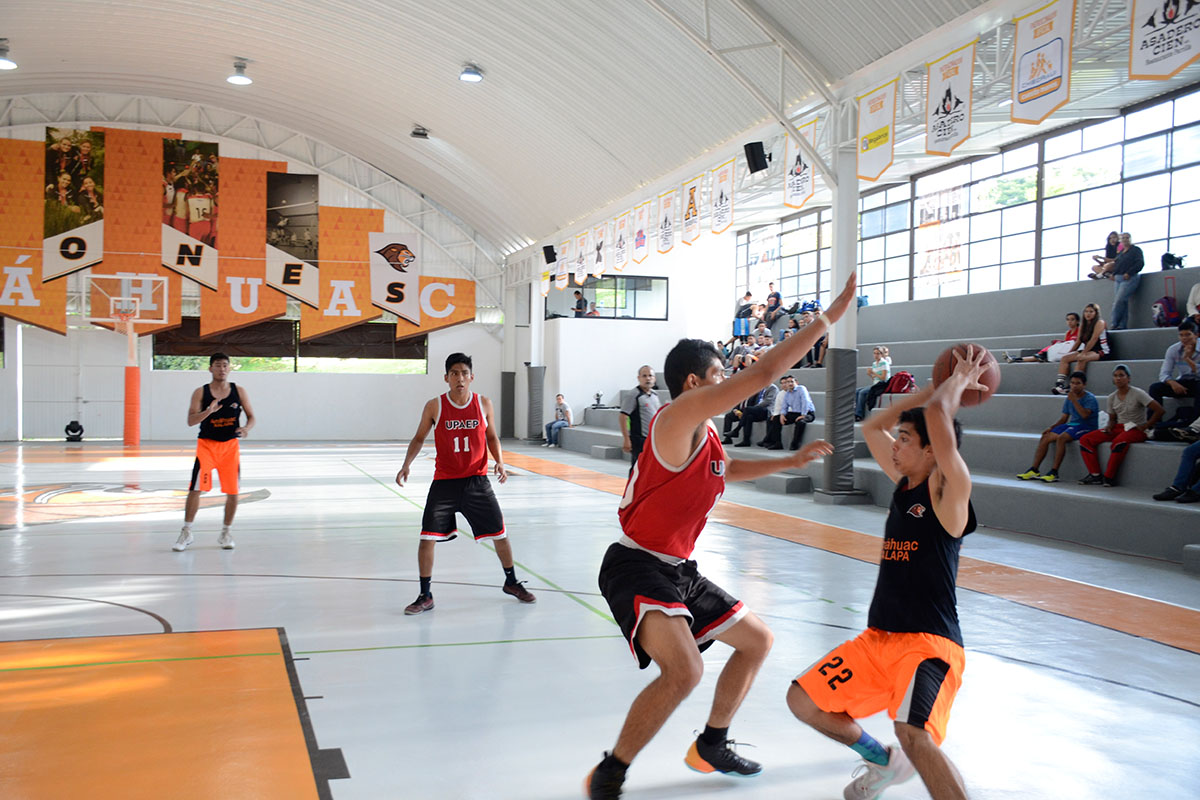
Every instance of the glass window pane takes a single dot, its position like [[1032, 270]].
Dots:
[[826, 237], [897, 291], [1063, 269], [1184, 219], [1185, 185], [872, 249], [1146, 226], [1021, 157], [1148, 155], [984, 280], [1105, 133], [1017, 276], [1186, 246], [1185, 146], [872, 272], [897, 244], [1146, 193], [1187, 108], [874, 294], [985, 254], [1060, 241], [985, 226], [806, 285], [953, 285], [1020, 218], [798, 241], [873, 200], [986, 167], [1060, 211], [901, 192], [1068, 144], [788, 287], [945, 179], [1015, 248], [897, 268], [1148, 120], [1093, 236], [1101, 202], [1004, 190], [1083, 171], [806, 262], [897, 216], [925, 288]]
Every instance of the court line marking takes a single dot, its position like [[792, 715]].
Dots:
[[458, 644], [137, 660], [166, 625]]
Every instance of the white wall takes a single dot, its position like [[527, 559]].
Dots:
[[8, 381]]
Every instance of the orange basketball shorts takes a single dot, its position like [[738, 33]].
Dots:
[[913, 675], [224, 457]]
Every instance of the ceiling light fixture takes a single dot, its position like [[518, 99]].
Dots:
[[471, 73], [239, 76], [5, 61], [419, 132]]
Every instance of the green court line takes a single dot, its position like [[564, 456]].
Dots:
[[542, 578], [135, 661], [455, 644]]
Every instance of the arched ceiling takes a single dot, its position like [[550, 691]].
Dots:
[[583, 100]]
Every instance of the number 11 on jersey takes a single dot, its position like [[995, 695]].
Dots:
[[466, 444]]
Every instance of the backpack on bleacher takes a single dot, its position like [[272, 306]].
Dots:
[[901, 383], [1172, 261], [1164, 312]]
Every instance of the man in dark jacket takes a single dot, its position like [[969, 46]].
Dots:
[[1127, 274]]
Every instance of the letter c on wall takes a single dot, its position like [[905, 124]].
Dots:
[[427, 299]]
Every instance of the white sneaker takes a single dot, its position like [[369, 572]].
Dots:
[[225, 540], [185, 539], [871, 779]]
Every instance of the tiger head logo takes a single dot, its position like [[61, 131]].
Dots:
[[917, 510], [398, 256]]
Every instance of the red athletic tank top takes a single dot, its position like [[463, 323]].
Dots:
[[665, 508], [460, 438]]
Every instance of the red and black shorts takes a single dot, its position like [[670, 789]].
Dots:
[[473, 498], [635, 582]]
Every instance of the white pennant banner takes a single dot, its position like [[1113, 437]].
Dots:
[[948, 101], [666, 220], [692, 191], [599, 250], [581, 258], [798, 180], [621, 243], [876, 131], [562, 266], [722, 196], [1163, 38], [1042, 61], [641, 244]]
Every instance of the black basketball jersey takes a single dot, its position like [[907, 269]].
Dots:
[[222, 424], [915, 589]]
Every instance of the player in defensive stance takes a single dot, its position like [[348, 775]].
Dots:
[[667, 610], [910, 658], [216, 407], [463, 435]]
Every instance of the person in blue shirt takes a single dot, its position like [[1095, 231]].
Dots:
[[1179, 376], [1080, 414], [793, 406]]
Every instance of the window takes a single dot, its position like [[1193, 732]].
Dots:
[[612, 297]]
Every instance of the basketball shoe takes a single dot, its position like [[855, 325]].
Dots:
[[871, 779], [704, 757], [185, 539], [225, 540], [424, 602], [603, 784], [518, 591]]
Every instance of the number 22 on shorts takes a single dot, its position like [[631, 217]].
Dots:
[[838, 677]]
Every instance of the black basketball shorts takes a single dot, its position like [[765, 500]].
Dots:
[[635, 582], [473, 498]]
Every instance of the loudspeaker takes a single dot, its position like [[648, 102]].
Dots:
[[548, 252], [756, 157]]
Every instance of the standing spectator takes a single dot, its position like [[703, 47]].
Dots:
[[1091, 345], [793, 406], [757, 409], [1127, 273], [1179, 376], [774, 308], [1127, 424], [1193, 303], [562, 419], [1112, 248], [580, 304], [636, 412], [879, 372], [1080, 415]]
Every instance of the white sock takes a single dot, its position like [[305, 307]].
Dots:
[[225, 528], [187, 526]]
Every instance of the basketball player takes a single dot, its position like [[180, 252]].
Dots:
[[910, 659], [463, 435], [667, 610], [216, 407]]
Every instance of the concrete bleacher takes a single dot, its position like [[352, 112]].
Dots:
[[1000, 436]]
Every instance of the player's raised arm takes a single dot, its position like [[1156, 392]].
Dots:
[[955, 483], [428, 418]]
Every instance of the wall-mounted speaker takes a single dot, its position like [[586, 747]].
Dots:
[[756, 157], [548, 252]]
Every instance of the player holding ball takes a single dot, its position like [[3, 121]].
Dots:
[[910, 659]]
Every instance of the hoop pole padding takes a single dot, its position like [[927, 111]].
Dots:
[[133, 391]]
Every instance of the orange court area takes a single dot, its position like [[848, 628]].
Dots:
[[179, 715]]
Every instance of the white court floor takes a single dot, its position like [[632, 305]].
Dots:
[[486, 698]]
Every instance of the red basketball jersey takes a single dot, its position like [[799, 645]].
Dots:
[[665, 508], [460, 438]]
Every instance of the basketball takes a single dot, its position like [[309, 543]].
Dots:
[[989, 378]]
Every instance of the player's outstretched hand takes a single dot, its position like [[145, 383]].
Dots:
[[402, 476], [838, 307], [501, 472], [810, 452], [971, 367]]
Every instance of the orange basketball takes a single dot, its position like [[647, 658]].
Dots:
[[990, 377]]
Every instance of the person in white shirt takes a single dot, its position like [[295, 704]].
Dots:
[[1127, 424], [562, 419], [793, 406]]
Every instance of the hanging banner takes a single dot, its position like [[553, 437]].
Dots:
[[798, 181], [23, 295], [722, 196], [189, 229], [948, 100], [562, 266], [1042, 61], [73, 218], [641, 245], [876, 126], [666, 220], [1163, 38], [621, 245], [292, 240], [395, 276], [581, 258], [344, 285], [599, 249], [545, 283], [692, 191]]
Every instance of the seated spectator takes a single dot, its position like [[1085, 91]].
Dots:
[[1127, 274], [755, 409], [1186, 486], [1052, 352], [1127, 424], [1192, 306], [1104, 263], [592, 312], [1179, 376], [1091, 345], [562, 419], [791, 328], [879, 372], [793, 406], [761, 329], [1080, 415]]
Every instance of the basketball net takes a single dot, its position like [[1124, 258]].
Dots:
[[133, 378]]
